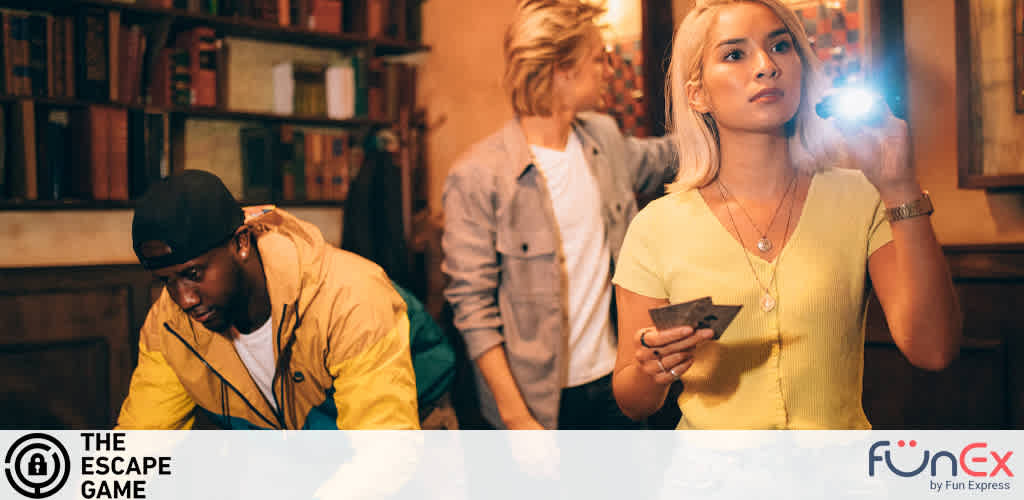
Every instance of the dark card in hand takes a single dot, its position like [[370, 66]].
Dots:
[[700, 313], [686, 313]]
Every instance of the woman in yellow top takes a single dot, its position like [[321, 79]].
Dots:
[[758, 217]]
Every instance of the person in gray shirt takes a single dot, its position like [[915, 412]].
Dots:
[[535, 216]]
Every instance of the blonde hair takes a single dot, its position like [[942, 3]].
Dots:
[[545, 35], [812, 140]]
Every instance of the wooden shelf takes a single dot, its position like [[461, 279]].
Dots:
[[46, 205], [322, 121], [64, 204], [210, 113], [236, 26]]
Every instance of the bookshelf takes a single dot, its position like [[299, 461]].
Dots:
[[233, 25], [208, 113], [174, 22]]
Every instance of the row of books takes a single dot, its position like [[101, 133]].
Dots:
[[357, 86], [92, 55], [288, 163], [53, 152], [192, 73], [38, 52], [376, 18]]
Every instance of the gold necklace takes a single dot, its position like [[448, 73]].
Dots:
[[767, 301], [763, 244]]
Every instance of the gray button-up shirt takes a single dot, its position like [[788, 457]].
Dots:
[[503, 250]]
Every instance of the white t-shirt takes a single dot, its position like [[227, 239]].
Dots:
[[257, 352], [577, 204]]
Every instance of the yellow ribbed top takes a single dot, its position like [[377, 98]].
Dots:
[[799, 366]]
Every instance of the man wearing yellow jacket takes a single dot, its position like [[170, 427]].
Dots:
[[261, 323]]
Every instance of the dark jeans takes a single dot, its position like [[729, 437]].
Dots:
[[592, 406]]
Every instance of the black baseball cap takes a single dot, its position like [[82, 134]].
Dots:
[[183, 216]]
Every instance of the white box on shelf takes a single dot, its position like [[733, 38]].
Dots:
[[284, 88]]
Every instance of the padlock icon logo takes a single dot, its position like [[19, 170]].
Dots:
[[37, 465]]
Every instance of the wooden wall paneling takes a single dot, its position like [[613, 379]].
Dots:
[[991, 278], [69, 343], [55, 385], [982, 388]]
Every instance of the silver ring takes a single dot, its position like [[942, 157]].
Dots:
[[663, 369], [674, 374]]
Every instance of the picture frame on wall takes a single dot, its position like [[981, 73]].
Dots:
[[990, 103]]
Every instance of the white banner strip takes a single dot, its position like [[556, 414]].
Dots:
[[530, 465]]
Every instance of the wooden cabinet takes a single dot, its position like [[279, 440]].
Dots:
[[69, 344], [982, 389]]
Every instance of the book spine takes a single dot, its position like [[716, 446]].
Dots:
[[24, 131], [129, 43], [118, 163], [17, 35], [337, 166], [160, 85], [181, 78], [375, 18], [299, 164], [57, 77], [38, 54], [284, 12], [49, 57], [286, 152], [57, 139], [98, 123], [69, 57], [325, 16], [314, 166], [114, 53], [93, 80], [138, 176], [201, 44], [223, 86]]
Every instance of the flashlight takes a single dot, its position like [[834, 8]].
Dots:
[[851, 105]]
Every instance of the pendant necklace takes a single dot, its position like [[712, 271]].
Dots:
[[768, 302], [763, 244]]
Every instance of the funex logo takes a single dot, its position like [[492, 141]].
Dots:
[[972, 460]]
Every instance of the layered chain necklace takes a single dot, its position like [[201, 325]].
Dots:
[[763, 244], [768, 302]]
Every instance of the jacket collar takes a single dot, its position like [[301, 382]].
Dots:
[[514, 140]]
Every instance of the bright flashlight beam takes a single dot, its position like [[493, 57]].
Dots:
[[854, 104]]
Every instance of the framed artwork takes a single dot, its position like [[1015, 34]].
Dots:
[[990, 82]]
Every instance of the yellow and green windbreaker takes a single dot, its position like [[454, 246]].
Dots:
[[341, 337]]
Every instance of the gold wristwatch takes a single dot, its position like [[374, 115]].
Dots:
[[920, 206]]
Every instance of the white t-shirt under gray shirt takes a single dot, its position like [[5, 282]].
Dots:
[[576, 200]]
